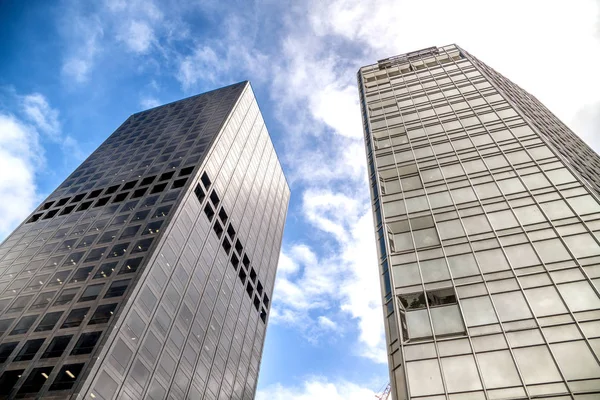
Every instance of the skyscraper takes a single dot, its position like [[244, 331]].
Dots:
[[149, 271], [487, 218]]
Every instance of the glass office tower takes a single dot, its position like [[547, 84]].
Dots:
[[148, 273], [487, 222]]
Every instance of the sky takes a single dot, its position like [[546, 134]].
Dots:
[[73, 71]]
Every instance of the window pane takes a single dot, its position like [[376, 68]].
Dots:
[[57, 346], [424, 377], [24, 324], [117, 288], [545, 301], [86, 343], [552, 250], [463, 265], [102, 314], [579, 296], [498, 369], [503, 220], [91, 292], [576, 360], [511, 306], [29, 350], [460, 373], [478, 311], [447, 320], [536, 365], [418, 324], [583, 245], [75, 318], [47, 323], [492, 260]]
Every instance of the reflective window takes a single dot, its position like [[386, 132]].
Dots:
[[29, 350]]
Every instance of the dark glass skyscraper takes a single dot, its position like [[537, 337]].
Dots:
[[148, 273], [487, 218]]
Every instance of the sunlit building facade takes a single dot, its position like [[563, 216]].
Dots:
[[148, 272], [487, 221]]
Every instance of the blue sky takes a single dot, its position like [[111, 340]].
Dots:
[[72, 71]]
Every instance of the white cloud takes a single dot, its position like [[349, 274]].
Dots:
[[20, 157], [317, 388], [85, 35], [149, 102], [312, 292], [37, 109], [138, 36], [202, 65]]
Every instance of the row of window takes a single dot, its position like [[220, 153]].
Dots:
[[254, 287], [54, 206]]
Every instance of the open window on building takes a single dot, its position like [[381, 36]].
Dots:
[[36, 379], [103, 314], [48, 321], [75, 318], [66, 377], [86, 343], [29, 350], [57, 346], [8, 380]]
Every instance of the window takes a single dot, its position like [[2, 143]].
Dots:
[[511, 306], [20, 303], [152, 228], [36, 379], [162, 212], [95, 254], [91, 293], [209, 212], [105, 270], [179, 183], [478, 311], [81, 274], [130, 265], [205, 180], [551, 250], [6, 350], [57, 346], [8, 380], [492, 260], [86, 343], [118, 250], [536, 365], [545, 301], [158, 188], [29, 350], [59, 278], [130, 231], [148, 180], [24, 324], [66, 296], [142, 245], [218, 229], [461, 373], [579, 296], [199, 193], [66, 377], [102, 314], [75, 318], [117, 288], [48, 321]]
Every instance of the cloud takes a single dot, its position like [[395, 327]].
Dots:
[[84, 44], [38, 110], [315, 293], [317, 388], [20, 158], [201, 66], [149, 102], [138, 36]]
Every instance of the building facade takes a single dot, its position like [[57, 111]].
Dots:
[[487, 219], [148, 273]]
